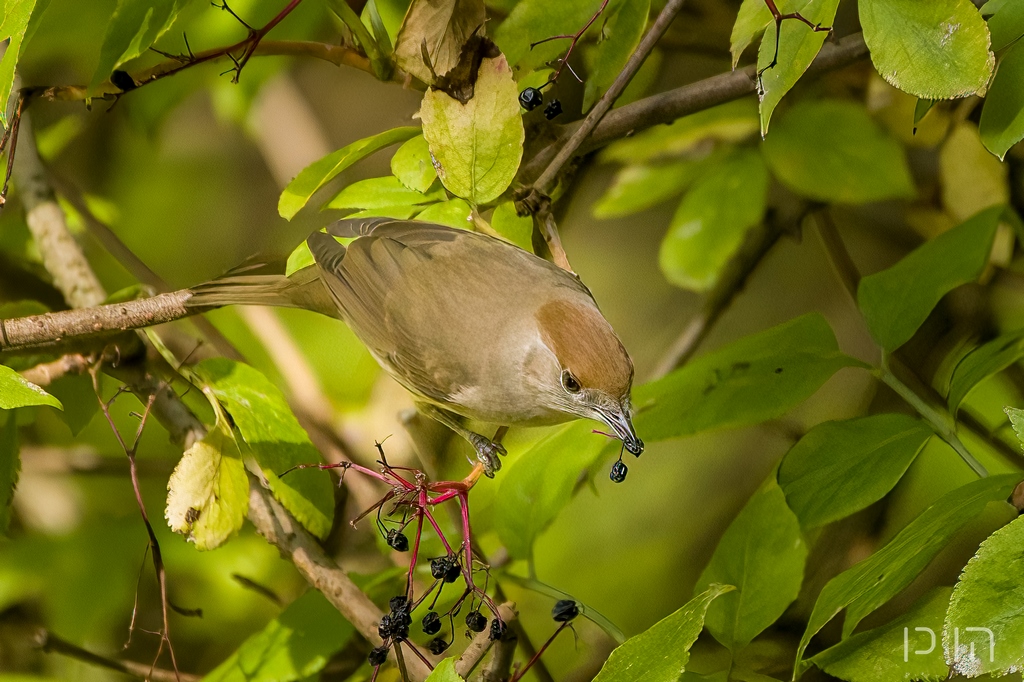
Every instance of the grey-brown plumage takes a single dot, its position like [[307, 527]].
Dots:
[[468, 323]]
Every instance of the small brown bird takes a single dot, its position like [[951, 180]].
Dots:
[[468, 323]]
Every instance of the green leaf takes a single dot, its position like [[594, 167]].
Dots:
[[934, 50], [1017, 421], [661, 653], [798, 45], [709, 226], [453, 213], [381, 193], [134, 26], [298, 259], [762, 553], [15, 391], [751, 21], [445, 672], [985, 621], [972, 178], [10, 465], [13, 25], [413, 166], [731, 122], [759, 377], [540, 482], [896, 301], [513, 227], [903, 649], [841, 467], [319, 173], [831, 150], [476, 146], [983, 362], [533, 20], [877, 579], [623, 26], [294, 646], [396, 212], [1006, 24], [76, 393], [1002, 118], [275, 439], [637, 188], [443, 27], [208, 493]]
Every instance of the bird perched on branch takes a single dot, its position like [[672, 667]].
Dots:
[[470, 324]]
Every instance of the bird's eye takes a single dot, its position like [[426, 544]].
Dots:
[[569, 382]]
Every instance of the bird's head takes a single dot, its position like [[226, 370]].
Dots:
[[588, 373]]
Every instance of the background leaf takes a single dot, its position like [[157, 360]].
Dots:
[[1006, 24], [639, 187], [841, 467], [761, 376], [268, 427], [983, 362], [896, 301], [208, 493], [751, 21], [445, 672], [413, 166], [985, 620], [15, 391], [622, 27], [832, 151], [516, 229], [762, 553], [453, 213], [477, 145], [293, 646], [661, 653], [13, 25], [1002, 117], [889, 652], [712, 220], [934, 50], [381, 193], [877, 579], [319, 173]]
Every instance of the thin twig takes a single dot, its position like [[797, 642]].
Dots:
[[51, 643], [46, 373]]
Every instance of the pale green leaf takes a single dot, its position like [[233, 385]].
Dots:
[[730, 122], [539, 483], [832, 151], [1002, 117], [10, 465], [298, 259], [896, 301], [661, 653], [294, 646], [972, 178], [757, 378], [319, 173], [1017, 421], [208, 493], [443, 26], [396, 212], [622, 27], [275, 439], [1006, 24], [985, 621], [798, 45], [533, 20], [712, 220], [381, 193], [841, 467], [413, 166], [453, 213], [762, 554], [513, 227], [751, 21], [13, 25], [937, 49], [877, 579], [983, 362], [134, 26], [639, 187], [903, 649], [477, 145], [445, 672], [15, 391]]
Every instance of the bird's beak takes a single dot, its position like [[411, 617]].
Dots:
[[622, 424]]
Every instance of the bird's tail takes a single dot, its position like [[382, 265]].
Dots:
[[265, 284]]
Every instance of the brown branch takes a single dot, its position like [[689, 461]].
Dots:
[[499, 669], [481, 644], [46, 373], [51, 643]]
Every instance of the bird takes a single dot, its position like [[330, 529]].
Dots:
[[471, 325]]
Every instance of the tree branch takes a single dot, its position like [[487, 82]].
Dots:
[[481, 644], [49, 642]]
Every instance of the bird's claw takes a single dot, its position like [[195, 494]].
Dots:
[[487, 452]]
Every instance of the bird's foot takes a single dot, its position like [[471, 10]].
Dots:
[[487, 452]]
